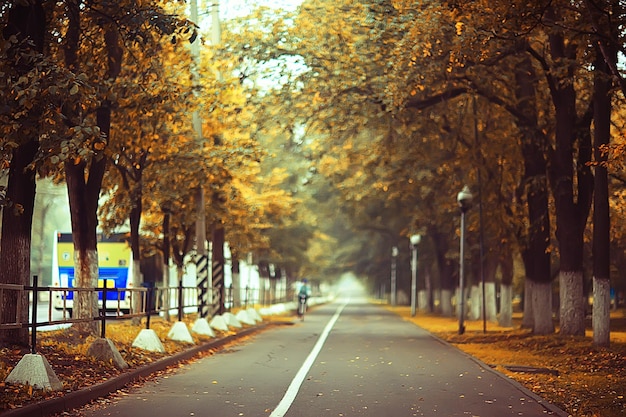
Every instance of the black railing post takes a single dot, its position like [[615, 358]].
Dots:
[[104, 310], [180, 300], [148, 306], [33, 332], [222, 301]]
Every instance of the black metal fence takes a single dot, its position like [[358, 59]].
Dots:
[[118, 303]]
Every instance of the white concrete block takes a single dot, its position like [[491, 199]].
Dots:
[[105, 351], [218, 323], [35, 370], [254, 314], [244, 317], [231, 320], [265, 311], [180, 333], [147, 339], [201, 326]]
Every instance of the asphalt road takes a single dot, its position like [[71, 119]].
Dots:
[[345, 359]]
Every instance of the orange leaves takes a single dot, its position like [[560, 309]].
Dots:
[[417, 88], [427, 49], [459, 28]]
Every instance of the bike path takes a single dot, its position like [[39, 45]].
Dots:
[[345, 359]]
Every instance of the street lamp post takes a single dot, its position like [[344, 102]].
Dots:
[[394, 255], [464, 199], [415, 240]]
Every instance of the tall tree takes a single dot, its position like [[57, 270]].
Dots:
[[25, 31], [601, 217], [84, 177], [533, 189], [111, 24], [571, 178]]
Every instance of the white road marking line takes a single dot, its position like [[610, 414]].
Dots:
[[294, 387]]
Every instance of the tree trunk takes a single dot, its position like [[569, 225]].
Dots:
[[84, 181], [601, 312], [83, 218], [422, 300], [430, 291], [541, 301], [272, 294], [436, 301], [572, 311], [235, 280], [475, 303], [135, 219], [446, 268], [166, 265], [528, 318], [601, 217], [25, 22], [446, 303], [491, 267], [166, 301], [83, 193], [535, 240], [140, 299], [572, 200], [16, 241], [262, 290], [490, 297], [461, 302], [505, 318]]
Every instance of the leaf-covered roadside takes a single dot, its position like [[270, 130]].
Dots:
[[66, 350], [570, 372]]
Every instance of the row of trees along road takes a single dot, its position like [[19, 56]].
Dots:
[[401, 103], [381, 112], [99, 95]]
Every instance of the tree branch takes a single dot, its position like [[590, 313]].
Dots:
[[421, 104]]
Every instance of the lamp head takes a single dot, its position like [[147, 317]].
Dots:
[[464, 198], [415, 239]]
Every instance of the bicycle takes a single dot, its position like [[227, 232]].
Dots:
[[301, 307]]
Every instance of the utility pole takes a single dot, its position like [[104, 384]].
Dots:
[[218, 236], [203, 280], [210, 285]]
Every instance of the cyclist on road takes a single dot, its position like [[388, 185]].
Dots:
[[303, 295]]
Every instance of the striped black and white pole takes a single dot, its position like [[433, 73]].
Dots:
[[204, 292], [217, 271]]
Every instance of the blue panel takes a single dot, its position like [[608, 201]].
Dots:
[[118, 275]]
